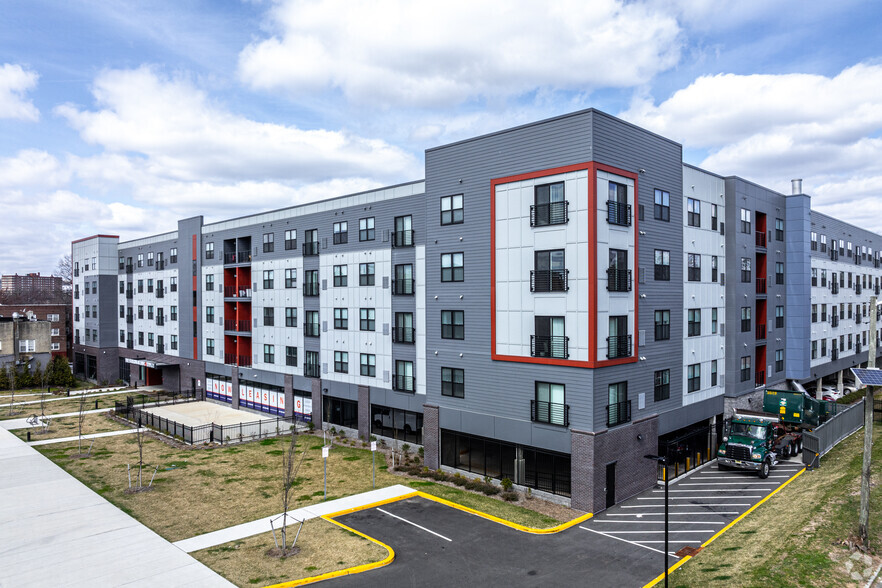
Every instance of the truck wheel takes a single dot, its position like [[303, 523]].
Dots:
[[794, 449], [785, 451], [764, 469]]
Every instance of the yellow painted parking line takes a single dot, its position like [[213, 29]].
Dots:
[[686, 558]]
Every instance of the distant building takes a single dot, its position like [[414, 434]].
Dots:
[[59, 317], [34, 282], [24, 341]]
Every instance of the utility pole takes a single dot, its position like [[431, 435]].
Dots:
[[864, 520]]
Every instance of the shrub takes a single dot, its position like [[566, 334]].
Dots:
[[506, 484], [459, 480], [439, 475], [528, 494], [490, 489], [421, 452], [405, 448], [509, 496]]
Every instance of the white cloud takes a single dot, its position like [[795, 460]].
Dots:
[[15, 82], [397, 52], [32, 167], [184, 136]]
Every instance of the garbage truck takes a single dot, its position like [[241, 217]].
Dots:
[[755, 441]]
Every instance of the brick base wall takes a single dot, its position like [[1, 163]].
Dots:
[[364, 412], [317, 403], [289, 395], [431, 437], [234, 373], [750, 401]]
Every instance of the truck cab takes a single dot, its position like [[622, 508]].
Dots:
[[749, 444]]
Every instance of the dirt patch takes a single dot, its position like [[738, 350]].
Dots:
[[67, 427]]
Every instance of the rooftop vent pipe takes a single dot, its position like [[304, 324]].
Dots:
[[796, 186]]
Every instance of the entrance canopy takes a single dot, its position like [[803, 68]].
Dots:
[[148, 363]]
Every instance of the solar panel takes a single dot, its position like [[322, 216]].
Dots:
[[868, 377]]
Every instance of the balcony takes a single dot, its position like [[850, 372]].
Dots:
[[130, 319], [618, 346], [244, 361], [553, 213], [834, 320], [229, 325], [243, 257], [160, 264], [549, 346], [129, 268], [542, 411], [761, 239], [311, 329], [834, 287], [130, 294], [160, 348], [402, 238], [312, 370], [310, 288], [857, 288], [403, 287], [760, 285], [229, 258], [834, 354], [160, 320], [761, 331], [160, 293], [618, 413], [618, 213], [403, 335], [244, 327], [549, 280], [618, 280], [230, 358], [403, 383], [759, 378], [311, 248]]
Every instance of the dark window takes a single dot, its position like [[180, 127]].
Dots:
[[745, 319], [291, 278], [779, 233], [694, 267], [341, 318], [403, 234], [618, 276], [402, 379], [209, 347], [662, 207], [268, 279], [339, 412], [269, 354], [693, 377], [312, 367], [291, 356], [550, 274], [619, 409], [311, 324], [452, 382], [209, 251], [779, 317], [549, 206], [745, 221], [549, 405], [619, 341], [340, 276], [269, 242], [341, 362], [693, 212], [341, 233], [779, 357], [367, 319], [714, 264], [290, 316], [714, 217], [209, 313], [618, 211], [403, 331], [779, 273], [403, 425], [311, 283], [269, 316], [745, 270], [366, 229], [452, 324], [713, 373], [368, 364], [451, 210], [662, 385], [694, 322], [172, 255], [365, 274], [209, 283], [745, 368], [291, 241], [452, 267], [403, 282], [662, 265], [550, 339], [310, 242], [662, 325]]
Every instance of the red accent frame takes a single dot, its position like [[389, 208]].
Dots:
[[592, 167]]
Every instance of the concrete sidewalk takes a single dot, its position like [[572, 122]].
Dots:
[[85, 437], [58, 531], [301, 514]]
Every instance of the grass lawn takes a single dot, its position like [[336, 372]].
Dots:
[[60, 404], [797, 537], [324, 547], [67, 427]]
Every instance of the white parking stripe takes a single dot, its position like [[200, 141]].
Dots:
[[661, 514], [661, 531], [722, 483], [712, 477], [626, 541], [672, 541], [713, 490], [696, 497], [659, 522], [691, 505], [414, 524]]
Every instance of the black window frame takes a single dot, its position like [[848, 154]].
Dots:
[[290, 356], [291, 316], [452, 272], [693, 377], [450, 327], [693, 322], [662, 385], [367, 319], [269, 316], [693, 212], [367, 368], [341, 232], [662, 211], [449, 384], [269, 353], [693, 264], [449, 214], [269, 279], [662, 270], [365, 232], [269, 242], [341, 318], [367, 274], [341, 275], [663, 328], [341, 362], [290, 277], [290, 242]]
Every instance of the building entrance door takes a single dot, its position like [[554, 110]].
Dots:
[[610, 484]]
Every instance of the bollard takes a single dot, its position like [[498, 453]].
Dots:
[[29, 435], [96, 405]]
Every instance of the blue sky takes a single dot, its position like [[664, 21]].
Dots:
[[121, 117]]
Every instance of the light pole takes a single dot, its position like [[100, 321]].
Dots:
[[664, 461]]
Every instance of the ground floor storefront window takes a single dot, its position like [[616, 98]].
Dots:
[[396, 423]]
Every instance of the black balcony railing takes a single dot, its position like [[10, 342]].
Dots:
[[130, 319], [858, 317], [761, 331], [834, 355], [403, 334], [243, 257], [549, 346], [834, 286], [760, 285], [618, 213], [130, 344], [835, 320], [402, 238], [160, 320], [160, 293], [760, 378], [618, 413], [130, 294], [244, 327], [553, 213], [403, 383], [311, 329], [129, 268], [857, 288], [618, 346], [160, 348], [230, 257], [857, 347], [311, 248], [403, 287], [230, 358], [312, 370], [310, 289], [618, 280], [760, 238], [76, 339], [549, 280], [229, 325], [244, 360], [542, 411]]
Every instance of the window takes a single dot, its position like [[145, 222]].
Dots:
[[122, 287], [149, 339], [269, 316], [745, 270], [745, 221], [745, 319], [693, 212], [619, 409], [290, 316], [368, 363], [402, 379], [549, 206], [209, 282], [662, 207], [550, 337], [53, 318], [402, 281], [209, 314], [366, 229], [453, 382], [823, 237], [824, 347], [779, 233], [150, 285], [814, 275], [269, 353], [814, 313], [745, 368], [209, 251], [618, 275], [619, 342], [779, 273], [403, 331], [714, 217], [140, 311], [617, 207], [341, 233], [173, 255], [268, 279], [291, 356], [814, 350], [779, 317], [311, 325], [713, 373], [291, 241], [714, 321], [140, 260], [662, 325], [403, 234], [140, 336], [451, 210], [694, 322], [367, 319], [452, 324], [340, 275], [341, 318], [312, 367], [174, 313], [550, 274], [365, 274], [662, 387], [209, 347], [779, 358], [823, 313], [311, 283], [173, 284], [549, 405], [269, 242], [694, 267], [814, 242], [341, 362], [714, 264], [452, 269], [662, 265], [174, 342], [693, 377], [57, 346]]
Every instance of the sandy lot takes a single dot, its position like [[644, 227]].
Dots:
[[193, 414]]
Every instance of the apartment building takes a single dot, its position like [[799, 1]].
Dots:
[[552, 303], [59, 315]]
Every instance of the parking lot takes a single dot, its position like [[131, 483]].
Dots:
[[436, 545]]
